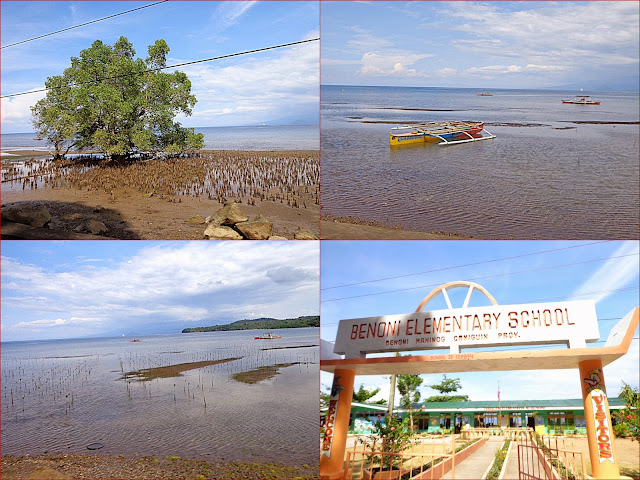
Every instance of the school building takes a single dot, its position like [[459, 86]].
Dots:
[[546, 416]]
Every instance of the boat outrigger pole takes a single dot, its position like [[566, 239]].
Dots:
[[446, 133], [467, 140]]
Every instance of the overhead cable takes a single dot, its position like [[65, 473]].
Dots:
[[168, 66], [465, 265], [483, 277], [81, 25]]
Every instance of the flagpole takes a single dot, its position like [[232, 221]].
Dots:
[[499, 407]]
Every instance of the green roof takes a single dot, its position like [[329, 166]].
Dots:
[[506, 404]]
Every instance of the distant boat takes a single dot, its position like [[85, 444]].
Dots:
[[135, 340], [485, 94], [38, 138], [267, 336], [582, 100]]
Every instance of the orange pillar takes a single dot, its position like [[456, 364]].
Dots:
[[334, 444], [602, 453]]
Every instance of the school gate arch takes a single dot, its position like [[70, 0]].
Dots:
[[573, 323]]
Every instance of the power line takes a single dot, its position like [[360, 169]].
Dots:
[[168, 66], [81, 25], [464, 265], [482, 277]]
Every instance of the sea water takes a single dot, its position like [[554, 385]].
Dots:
[[544, 176], [267, 137], [60, 396]]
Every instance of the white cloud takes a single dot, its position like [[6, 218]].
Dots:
[[495, 69], [446, 72], [557, 33], [16, 110], [391, 64], [544, 68], [259, 88], [176, 282], [613, 274], [228, 14]]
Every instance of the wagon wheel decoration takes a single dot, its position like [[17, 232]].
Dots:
[[442, 290]]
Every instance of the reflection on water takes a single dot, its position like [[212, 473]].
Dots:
[[61, 396], [543, 180]]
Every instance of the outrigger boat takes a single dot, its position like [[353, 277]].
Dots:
[[446, 133], [485, 94], [582, 100], [267, 336]]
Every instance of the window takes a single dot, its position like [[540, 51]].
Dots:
[[421, 421], [445, 421], [561, 420], [515, 420]]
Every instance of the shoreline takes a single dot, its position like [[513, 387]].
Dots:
[[352, 228], [93, 466]]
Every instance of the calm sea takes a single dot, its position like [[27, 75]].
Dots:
[[276, 137], [61, 396], [544, 176]]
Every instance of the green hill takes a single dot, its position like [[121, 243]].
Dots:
[[261, 324]]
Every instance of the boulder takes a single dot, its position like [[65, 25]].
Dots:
[[219, 232], [35, 215], [92, 226], [304, 234], [257, 229], [229, 215], [197, 219]]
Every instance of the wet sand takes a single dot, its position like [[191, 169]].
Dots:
[[342, 228], [169, 371], [159, 200], [132, 466], [261, 373]]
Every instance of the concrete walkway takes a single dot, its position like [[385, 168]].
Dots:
[[530, 464], [474, 466], [511, 470]]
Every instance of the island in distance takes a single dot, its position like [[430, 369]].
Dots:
[[260, 324]]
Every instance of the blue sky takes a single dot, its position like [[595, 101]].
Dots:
[[53, 289], [278, 86], [481, 44], [606, 272]]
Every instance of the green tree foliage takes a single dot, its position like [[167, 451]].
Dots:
[[261, 324], [447, 386], [325, 397], [122, 105], [362, 395], [390, 436], [408, 386], [628, 415]]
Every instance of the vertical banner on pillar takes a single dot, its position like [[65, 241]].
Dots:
[[332, 411], [597, 397], [603, 427]]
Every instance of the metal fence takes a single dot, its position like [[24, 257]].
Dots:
[[420, 458], [553, 458]]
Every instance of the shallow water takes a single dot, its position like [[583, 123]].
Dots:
[[61, 396], [269, 137], [550, 179]]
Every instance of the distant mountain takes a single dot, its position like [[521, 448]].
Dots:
[[261, 324], [622, 84]]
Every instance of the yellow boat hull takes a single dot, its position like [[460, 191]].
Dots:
[[409, 139]]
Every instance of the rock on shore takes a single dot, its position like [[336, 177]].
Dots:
[[230, 223]]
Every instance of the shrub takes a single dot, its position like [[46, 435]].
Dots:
[[621, 430]]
